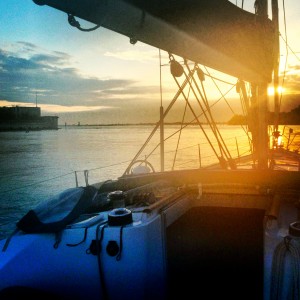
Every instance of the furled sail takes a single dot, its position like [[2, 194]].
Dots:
[[215, 33]]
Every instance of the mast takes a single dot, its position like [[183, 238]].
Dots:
[[276, 63], [261, 139], [162, 149], [161, 122]]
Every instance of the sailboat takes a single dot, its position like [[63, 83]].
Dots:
[[229, 230]]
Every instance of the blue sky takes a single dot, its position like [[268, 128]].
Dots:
[[94, 75]]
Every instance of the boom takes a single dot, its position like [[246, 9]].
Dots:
[[215, 33]]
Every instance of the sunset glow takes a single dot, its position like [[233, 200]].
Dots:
[[52, 108], [102, 73]]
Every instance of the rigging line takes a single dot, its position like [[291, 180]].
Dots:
[[285, 42], [180, 131], [223, 97], [248, 91], [184, 126], [188, 147], [245, 108], [287, 52], [243, 105], [50, 179], [210, 122], [204, 98], [158, 123], [209, 75], [177, 132], [217, 101], [172, 151], [180, 149], [160, 80], [216, 78], [171, 135], [213, 122], [167, 110], [119, 163], [186, 162], [222, 93], [193, 112], [35, 183]]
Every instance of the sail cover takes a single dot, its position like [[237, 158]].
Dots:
[[56, 213], [214, 33]]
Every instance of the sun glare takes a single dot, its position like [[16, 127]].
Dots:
[[271, 90]]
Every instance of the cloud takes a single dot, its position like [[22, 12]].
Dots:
[[134, 55], [128, 92], [25, 47], [52, 78], [291, 79]]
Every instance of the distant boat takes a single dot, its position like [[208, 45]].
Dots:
[[227, 231]]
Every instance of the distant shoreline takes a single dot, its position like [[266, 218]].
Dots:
[[135, 124], [153, 124]]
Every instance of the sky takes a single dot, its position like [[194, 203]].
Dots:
[[100, 77]]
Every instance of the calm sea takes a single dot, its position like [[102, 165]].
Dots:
[[37, 165]]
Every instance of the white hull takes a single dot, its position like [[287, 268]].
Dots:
[[188, 238]]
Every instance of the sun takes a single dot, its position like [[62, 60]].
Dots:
[[271, 90]]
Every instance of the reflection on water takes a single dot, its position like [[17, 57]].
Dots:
[[50, 158]]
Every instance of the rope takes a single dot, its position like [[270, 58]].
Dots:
[[121, 244], [223, 97], [35, 183], [182, 127], [244, 104], [295, 53], [222, 146], [180, 89], [8, 239], [73, 22], [287, 52], [197, 119], [160, 78], [60, 176], [216, 129], [210, 121], [180, 131], [103, 288], [158, 123], [288, 245], [82, 241]]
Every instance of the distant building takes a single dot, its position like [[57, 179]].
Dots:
[[25, 118]]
